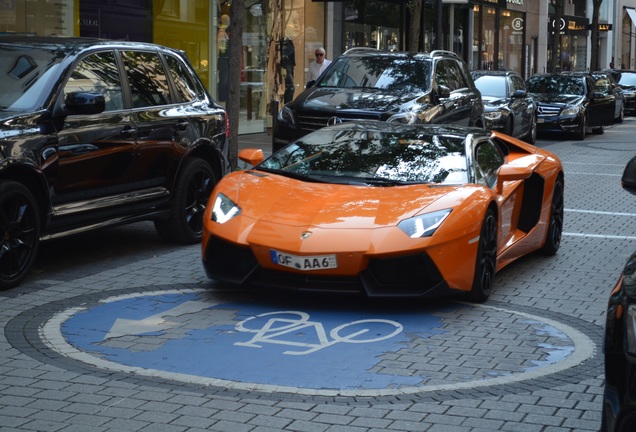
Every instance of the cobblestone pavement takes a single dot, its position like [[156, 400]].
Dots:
[[117, 331]]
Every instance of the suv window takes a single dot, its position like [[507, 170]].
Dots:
[[147, 79], [183, 83], [448, 73], [98, 74]]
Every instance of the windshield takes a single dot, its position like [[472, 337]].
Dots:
[[345, 155], [491, 86], [381, 72], [627, 79], [555, 84], [27, 72]]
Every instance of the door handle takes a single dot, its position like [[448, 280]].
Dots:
[[182, 125], [128, 132]]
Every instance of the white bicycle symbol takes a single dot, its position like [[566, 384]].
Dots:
[[274, 326]]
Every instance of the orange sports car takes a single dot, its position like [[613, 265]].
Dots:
[[384, 209]]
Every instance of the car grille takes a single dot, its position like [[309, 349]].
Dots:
[[549, 110], [309, 123]]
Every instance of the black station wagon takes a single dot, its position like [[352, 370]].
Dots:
[[95, 133]]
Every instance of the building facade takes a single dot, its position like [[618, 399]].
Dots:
[[280, 36]]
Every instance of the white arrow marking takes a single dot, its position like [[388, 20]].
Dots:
[[154, 323]]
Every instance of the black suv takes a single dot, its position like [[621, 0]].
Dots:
[[96, 133], [367, 84]]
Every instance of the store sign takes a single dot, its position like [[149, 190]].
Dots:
[[604, 27], [497, 3], [570, 25]]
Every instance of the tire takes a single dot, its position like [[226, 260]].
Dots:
[[582, 129], [531, 137], [20, 225], [486, 264], [555, 225], [598, 130], [190, 196]]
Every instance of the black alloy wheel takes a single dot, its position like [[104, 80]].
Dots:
[[20, 227], [581, 131], [531, 137], [191, 194], [486, 265], [555, 226]]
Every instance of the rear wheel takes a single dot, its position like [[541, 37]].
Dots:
[[555, 226], [486, 265], [598, 130], [191, 193], [20, 230]]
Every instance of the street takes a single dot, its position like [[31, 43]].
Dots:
[[118, 331]]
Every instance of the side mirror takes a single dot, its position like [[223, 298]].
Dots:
[[629, 177], [251, 156], [511, 173], [310, 84], [519, 93], [443, 92], [84, 103]]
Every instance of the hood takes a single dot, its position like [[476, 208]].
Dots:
[[493, 102], [290, 202], [368, 99], [557, 99], [14, 123]]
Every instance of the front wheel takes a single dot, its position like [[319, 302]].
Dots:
[[582, 129], [486, 265], [531, 137], [190, 196], [555, 225], [20, 227], [621, 115]]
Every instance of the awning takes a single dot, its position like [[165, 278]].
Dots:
[[632, 14]]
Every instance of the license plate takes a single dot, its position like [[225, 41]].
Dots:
[[311, 262], [540, 120]]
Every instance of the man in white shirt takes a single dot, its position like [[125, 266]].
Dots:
[[317, 66]]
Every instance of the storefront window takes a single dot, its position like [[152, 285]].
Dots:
[[372, 24], [37, 18], [511, 37]]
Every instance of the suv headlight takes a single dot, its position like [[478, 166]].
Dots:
[[224, 209], [286, 115], [408, 117], [493, 115], [424, 225], [572, 111]]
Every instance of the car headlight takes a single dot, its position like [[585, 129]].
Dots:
[[424, 225], [408, 117], [286, 115], [572, 111], [224, 209], [493, 115], [630, 324]]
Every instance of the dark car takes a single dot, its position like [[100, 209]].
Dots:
[[366, 84], [605, 82], [619, 345], [627, 81], [96, 133], [568, 102], [508, 106]]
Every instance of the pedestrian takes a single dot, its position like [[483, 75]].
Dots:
[[317, 66]]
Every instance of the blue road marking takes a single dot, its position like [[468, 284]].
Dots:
[[354, 342]]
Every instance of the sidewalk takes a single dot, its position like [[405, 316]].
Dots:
[[259, 140]]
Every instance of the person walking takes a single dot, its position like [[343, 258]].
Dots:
[[317, 66]]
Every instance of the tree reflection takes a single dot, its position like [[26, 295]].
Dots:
[[399, 154]]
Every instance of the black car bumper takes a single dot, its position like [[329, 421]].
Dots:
[[406, 276]]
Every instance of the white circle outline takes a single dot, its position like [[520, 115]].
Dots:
[[51, 335]]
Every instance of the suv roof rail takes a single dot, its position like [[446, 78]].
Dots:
[[443, 52], [361, 49]]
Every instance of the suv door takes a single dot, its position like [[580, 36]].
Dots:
[[455, 109], [96, 149], [163, 128]]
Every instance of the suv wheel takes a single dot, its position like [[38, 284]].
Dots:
[[191, 193], [20, 225]]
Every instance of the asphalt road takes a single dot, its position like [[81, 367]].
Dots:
[[118, 331]]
